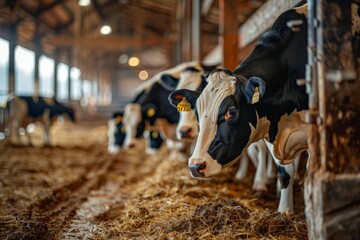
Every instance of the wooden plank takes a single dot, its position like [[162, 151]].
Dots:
[[262, 19], [108, 42], [228, 32], [332, 193]]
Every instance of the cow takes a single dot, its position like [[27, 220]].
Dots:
[[23, 110], [116, 133], [151, 107], [260, 99]]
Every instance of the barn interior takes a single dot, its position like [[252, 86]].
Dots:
[[92, 55]]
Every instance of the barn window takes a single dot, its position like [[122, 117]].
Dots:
[[46, 76], [62, 81], [24, 71], [4, 69], [75, 83]]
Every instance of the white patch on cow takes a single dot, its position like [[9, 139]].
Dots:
[[302, 9], [220, 85], [132, 118], [292, 137], [190, 80], [111, 137], [355, 19]]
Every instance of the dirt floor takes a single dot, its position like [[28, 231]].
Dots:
[[76, 190]]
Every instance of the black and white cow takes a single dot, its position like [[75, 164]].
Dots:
[[116, 133], [151, 107], [260, 99], [24, 110]]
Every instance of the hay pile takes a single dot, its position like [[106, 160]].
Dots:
[[168, 204]]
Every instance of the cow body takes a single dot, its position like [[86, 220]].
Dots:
[[24, 110], [260, 99]]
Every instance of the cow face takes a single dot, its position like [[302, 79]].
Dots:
[[133, 123], [153, 141], [187, 128], [116, 133], [227, 121]]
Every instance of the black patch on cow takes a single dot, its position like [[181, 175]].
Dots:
[[169, 82], [191, 69], [58, 109], [283, 176], [119, 134], [232, 136], [155, 139], [36, 106], [279, 59], [227, 71], [158, 96], [202, 85]]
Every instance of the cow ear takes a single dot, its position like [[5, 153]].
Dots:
[[184, 96], [168, 81], [253, 89]]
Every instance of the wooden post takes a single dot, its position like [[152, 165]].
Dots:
[[12, 45], [38, 52], [196, 30], [228, 27], [332, 192], [186, 32]]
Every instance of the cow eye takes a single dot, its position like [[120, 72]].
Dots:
[[231, 113]]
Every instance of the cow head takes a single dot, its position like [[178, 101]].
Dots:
[[134, 124], [192, 79], [227, 120], [154, 141], [116, 133]]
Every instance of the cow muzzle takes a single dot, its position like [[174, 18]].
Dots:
[[185, 132], [198, 169]]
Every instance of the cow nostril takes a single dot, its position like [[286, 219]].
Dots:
[[201, 168], [185, 132], [197, 170]]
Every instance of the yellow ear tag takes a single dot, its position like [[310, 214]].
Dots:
[[256, 96], [150, 112], [154, 135], [118, 119], [184, 106]]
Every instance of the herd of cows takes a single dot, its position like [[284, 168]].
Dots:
[[217, 116]]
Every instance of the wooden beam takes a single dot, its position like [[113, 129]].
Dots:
[[47, 7], [262, 19], [228, 27], [206, 7], [108, 42]]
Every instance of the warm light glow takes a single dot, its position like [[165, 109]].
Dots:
[[123, 58], [84, 3], [143, 75], [106, 29], [134, 61]]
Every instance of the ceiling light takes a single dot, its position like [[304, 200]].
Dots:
[[143, 75], [84, 3], [134, 61], [123, 58], [106, 29]]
